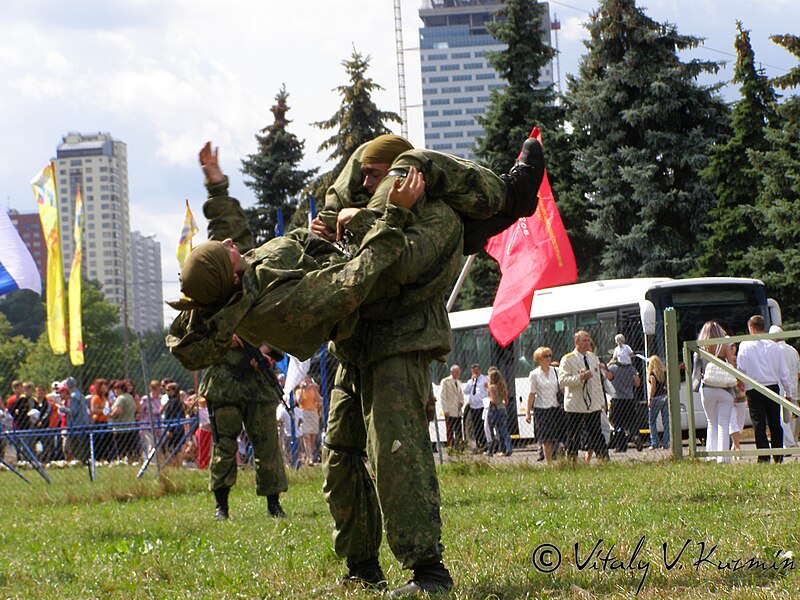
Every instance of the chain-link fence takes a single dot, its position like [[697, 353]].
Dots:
[[51, 441], [624, 419], [47, 423]]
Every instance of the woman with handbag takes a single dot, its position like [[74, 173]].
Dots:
[[716, 389]]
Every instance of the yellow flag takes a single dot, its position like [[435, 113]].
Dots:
[[74, 296], [44, 186], [187, 233]]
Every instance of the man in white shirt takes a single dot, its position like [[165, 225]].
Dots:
[[477, 390], [763, 361], [452, 398], [792, 359]]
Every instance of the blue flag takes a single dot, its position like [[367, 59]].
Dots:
[[17, 267], [279, 224]]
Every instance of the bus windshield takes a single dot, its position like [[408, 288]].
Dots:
[[730, 304]]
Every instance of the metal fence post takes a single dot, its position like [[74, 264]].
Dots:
[[674, 382], [687, 361]]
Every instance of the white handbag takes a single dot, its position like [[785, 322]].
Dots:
[[716, 376]]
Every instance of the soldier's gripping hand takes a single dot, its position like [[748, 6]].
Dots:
[[345, 216], [209, 161], [319, 228], [405, 192]]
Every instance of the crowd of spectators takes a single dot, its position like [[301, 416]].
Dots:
[[118, 424], [61, 423], [110, 419]]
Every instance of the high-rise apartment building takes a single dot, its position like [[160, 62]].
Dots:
[[148, 297], [99, 165], [456, 79], [29, 227]]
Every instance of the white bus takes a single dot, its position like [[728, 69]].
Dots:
[[633, 307]]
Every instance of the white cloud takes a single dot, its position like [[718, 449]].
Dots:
[[573, 29]]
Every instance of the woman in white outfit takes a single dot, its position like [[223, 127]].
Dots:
[[543, 403], [717, 401]]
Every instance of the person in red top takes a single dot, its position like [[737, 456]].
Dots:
[[16, 387], [103, 442]]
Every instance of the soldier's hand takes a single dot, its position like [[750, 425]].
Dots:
[[345, 215], [236, 341], [319, 229], [209, 161], [405, 192]]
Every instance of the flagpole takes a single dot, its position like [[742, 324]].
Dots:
[[459, 282]]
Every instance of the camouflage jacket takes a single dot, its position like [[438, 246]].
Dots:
[[298, 290], [413, 318], [234, 380]]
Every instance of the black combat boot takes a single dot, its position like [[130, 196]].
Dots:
[[431, 578], [523, 181], [366, 573], [522, 194], [221, 496], [274, 507]]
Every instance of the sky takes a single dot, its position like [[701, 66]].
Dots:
[[164, 76]]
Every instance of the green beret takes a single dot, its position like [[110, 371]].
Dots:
[[384, 149], [207, 275]]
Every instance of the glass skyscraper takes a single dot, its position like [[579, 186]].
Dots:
[[456, 79]]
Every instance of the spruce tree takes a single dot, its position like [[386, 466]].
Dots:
[[358, 120], [775, 254], [514, 109], [272, 172], [643, 127], [732, 175]]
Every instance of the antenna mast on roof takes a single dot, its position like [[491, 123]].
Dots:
[[401, 69], [555, 25]]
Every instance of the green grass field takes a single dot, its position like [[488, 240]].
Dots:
[[123, 538]]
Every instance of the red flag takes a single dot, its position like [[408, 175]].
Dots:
[[534, 253]]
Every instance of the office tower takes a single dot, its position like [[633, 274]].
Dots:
[[148, 298], [456, 79], [99, 164], [29, 227]]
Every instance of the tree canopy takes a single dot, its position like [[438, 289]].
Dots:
[[731, 173], [357, 121], [775, 253], [273, 174], [643, 127]]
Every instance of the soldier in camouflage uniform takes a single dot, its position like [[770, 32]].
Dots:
[[386, 347], [239, 393], [377, 409], [294, 292]]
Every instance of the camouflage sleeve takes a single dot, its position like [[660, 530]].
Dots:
[[199, 340], [346, 191], [430, 240], [226, 219], [469, 189]]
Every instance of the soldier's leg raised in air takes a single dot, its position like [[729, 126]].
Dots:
[[349, 490]]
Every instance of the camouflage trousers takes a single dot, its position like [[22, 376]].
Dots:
[[262, 431], [378, 413]]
